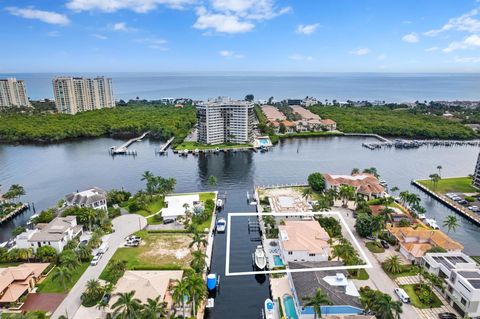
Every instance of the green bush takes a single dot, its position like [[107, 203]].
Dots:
[[375, 247], [317, 182], [470, 199]]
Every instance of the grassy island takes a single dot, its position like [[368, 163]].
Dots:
[[191, 146], [126, 121]]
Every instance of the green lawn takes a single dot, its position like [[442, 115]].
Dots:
[[375, 247], [407, 271], [361, 274], [194, 145], [50, 286], [445, 185], [410, 290], [153, 207]]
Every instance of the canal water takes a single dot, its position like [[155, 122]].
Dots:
[[49, 172]]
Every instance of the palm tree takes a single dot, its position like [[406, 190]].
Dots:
[[197, 290], [126, 306], [317, 301], [394, 189], [63, 275], [413, 199], [439, 167], [386, 308], [146, 176], [84, 252], [180, 292], [346, 193], [307, 192], [93, 287], [154, 309], [393, 264], [355, 171], [434, 178], [404, 196], [387, 215], [377, 224], [198, 239], [198, 262], [451, 222]]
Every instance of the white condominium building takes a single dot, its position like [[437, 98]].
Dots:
[[77, 94], [13, 93], [225, 121]]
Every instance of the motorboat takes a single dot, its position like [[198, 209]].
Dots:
[[422, 216], [432, 223], [221, 225], [219, 203], [260, 258], [196, 151], [269, 309], [212, 282]]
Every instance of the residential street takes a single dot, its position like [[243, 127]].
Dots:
[[378, 278], [124, 225]]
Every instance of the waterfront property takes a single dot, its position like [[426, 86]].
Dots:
[[78, 94], [397, 214], [365, 184], [303, 240], [55, 234], [414, 243], [284, 200], [177, 205], [18, 281], [95, 198], [13, 93], [224, 120]]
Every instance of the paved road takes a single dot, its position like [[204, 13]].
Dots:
[[378, 277], [124, 225]]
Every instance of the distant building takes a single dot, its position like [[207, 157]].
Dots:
[[95, 198], [364, 184], [13, 93], [294, 101], [55, 234], [223, 120], [272, 113], [303, 240], [78, 94], [476, 175]]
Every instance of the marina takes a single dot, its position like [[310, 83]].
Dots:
[[163, 149], [123, 149], [412, 144]]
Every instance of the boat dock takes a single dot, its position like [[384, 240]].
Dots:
[[123, 149], [463, 211], [164, 147], [14, 213], [214, 150], [406, 144], [378, 137]]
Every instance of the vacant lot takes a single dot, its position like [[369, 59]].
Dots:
[[55, 286], [454, 185]]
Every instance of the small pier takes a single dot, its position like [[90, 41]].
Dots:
[[253, 226], [14, 213], [163, 149], [412, 144], [123, 149]]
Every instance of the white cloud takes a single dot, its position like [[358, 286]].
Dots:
[[223, 23], [307, 28], [431, 49], [122, 26], [230, 54], [44, 16], [99, 36], [465, 22], [381, 57], [411, 38], [139, 6], [154, 43], [472, 41], [475, 59], [300, 57], [360, 52]]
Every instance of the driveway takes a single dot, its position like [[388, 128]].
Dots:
[[124, 225], [378, 278]]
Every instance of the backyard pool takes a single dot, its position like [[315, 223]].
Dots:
[[277, 261], [290, 312], [264, 142], [334, 310]]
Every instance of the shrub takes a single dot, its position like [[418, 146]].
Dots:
[[317, 182], [331, 225], [470, 199], [113, 212], [389, 238], [404, 222], [375, 247]]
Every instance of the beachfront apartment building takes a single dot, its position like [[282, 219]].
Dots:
[[55, 234], [94, 197], [13, 93], [476, 175], [223, 120], [78, 94], [303, 240]]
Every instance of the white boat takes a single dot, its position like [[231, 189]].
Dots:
[[260, 258], [269, 309], [422, 216], [219, 203], [221, 225], [431, 223]]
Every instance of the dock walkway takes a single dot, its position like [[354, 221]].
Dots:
[[14, 213], [122, 149], [164, 147]]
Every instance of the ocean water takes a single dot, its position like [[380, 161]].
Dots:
[[397, 87]]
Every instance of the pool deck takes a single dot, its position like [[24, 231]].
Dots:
[[280, 287], [270, 251]]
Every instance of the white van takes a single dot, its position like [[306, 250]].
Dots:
[[103, 248], [402, 295]]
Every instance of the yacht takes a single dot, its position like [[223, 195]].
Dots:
[[221, 225], [212, 281], [260, 258], [219, 203], [269, 309]]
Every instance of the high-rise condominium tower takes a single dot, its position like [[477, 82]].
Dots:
[[77, 94], [13, 93]]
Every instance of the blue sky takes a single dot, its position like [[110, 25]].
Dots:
[[240, 35]]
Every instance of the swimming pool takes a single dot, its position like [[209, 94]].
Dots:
[[263, 142], [334, 310], [277, 261], [290, 312]]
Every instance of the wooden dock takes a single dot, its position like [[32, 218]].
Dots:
[[14, 213], [164, 147], [123, 149]]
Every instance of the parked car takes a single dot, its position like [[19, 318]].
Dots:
[[371, 238], [402, 295], [96, 259], [473, 208], [105, 299], [384, 244], [462, 202], [132, 243], [447, 315], [133, 238]]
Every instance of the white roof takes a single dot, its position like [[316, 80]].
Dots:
[[286, 201], [175, 204]]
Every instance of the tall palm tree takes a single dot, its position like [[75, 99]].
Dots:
[[439, 167], [451, 222], [198, 262], [63, 275], [147, 175], [84, 252], [413, 199], [126, 306], [197, 290], [93, 287], [198, 239], [434, 178], [154, 309], [393, 264], [386, 308], [317, 301], [355, 171], [404, 196], [387, 215], [180, 292]]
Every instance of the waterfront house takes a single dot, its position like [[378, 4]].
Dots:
[[272, 113], [414, 243], [55, 234], [365, 184], [304, 113], [303, 240], [462, 280], [289, 126], [18, 281], [397, 213], [147, 284], [328, 124], [95, 198]]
